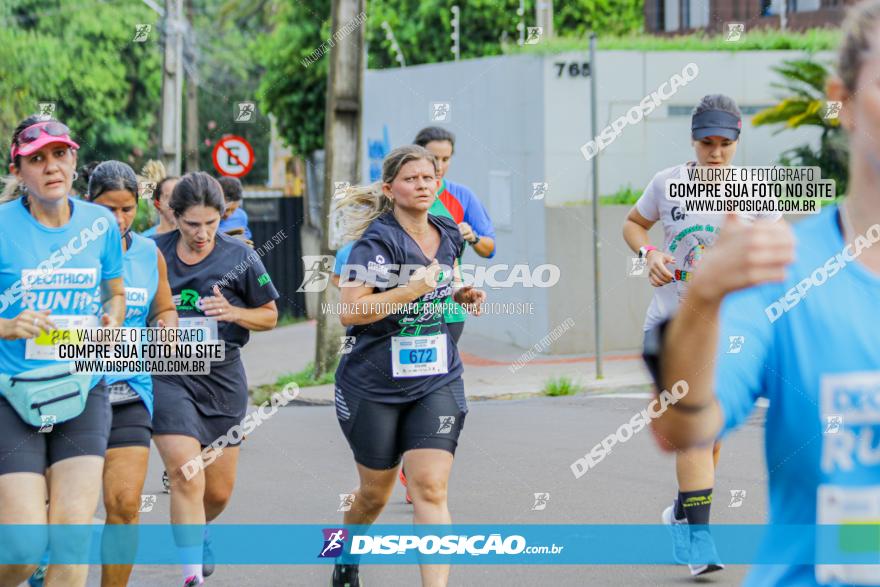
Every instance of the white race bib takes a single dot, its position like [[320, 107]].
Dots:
[[844, 506], [200, 322], [415, 356], [43, 347]]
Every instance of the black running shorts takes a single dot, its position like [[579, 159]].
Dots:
[[132, 426], [379, 433], [24, 449]]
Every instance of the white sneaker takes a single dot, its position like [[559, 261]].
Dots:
[[703, 551], [681, 535]]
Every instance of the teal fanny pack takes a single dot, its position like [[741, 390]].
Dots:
[[48, 395]]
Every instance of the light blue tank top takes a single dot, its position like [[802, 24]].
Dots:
[[141, 276]]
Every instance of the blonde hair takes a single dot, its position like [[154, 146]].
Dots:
[[362, 204], [11, 185], [859, 30], [154, 171]]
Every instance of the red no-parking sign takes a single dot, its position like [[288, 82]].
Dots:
[[233, 156]]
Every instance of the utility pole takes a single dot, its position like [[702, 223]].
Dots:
[[544, 17], [521, 25], [456, 32], [597, 244], [192, 95], [172, 86], [342, 139]]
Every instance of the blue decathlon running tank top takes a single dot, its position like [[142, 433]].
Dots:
[[140, 272]]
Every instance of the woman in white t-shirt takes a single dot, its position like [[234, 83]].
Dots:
[[715, 127]]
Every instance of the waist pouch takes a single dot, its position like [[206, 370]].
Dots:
[[48, 395]]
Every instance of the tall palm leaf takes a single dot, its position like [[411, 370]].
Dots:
[[804, 104]]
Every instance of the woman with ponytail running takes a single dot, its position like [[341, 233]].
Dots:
[[113, 185], [399, 392]]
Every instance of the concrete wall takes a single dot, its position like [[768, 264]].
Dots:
[[516, 115], [661, 139], [497, 118], [624, 299], [518, 122]]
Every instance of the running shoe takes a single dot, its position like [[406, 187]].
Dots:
[[681, 535], [346, 576], [166, 482], [704, 557], [192, 581], [403, 480], [207, 556], [38, 577]]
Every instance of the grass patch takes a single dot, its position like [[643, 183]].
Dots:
[[304, 378], [627, 196], [756, 40], [561, 386]]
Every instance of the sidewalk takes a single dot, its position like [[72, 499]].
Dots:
[[490, 366]]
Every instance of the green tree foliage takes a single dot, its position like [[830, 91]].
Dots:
[[80, 55], [223, 48], [295, 93], [576, 18], [803, 104]]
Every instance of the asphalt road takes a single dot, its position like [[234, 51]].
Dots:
[[295, 465]]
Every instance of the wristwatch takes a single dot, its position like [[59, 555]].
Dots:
[[643, 251], [474, 242]]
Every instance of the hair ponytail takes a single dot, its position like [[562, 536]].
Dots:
[[362, 204], [11, 188], [359, 207]]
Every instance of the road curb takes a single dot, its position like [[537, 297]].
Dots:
[[305, 400]]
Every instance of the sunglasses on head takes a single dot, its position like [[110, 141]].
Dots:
[[32, 133]]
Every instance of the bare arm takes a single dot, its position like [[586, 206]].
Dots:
[[258, 319], [162, 309], [635, 233], [484, 246], [635, 230], [261, 318], [113, 300]]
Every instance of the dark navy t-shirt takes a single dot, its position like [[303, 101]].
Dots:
[[366, 371], [232, 265]]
